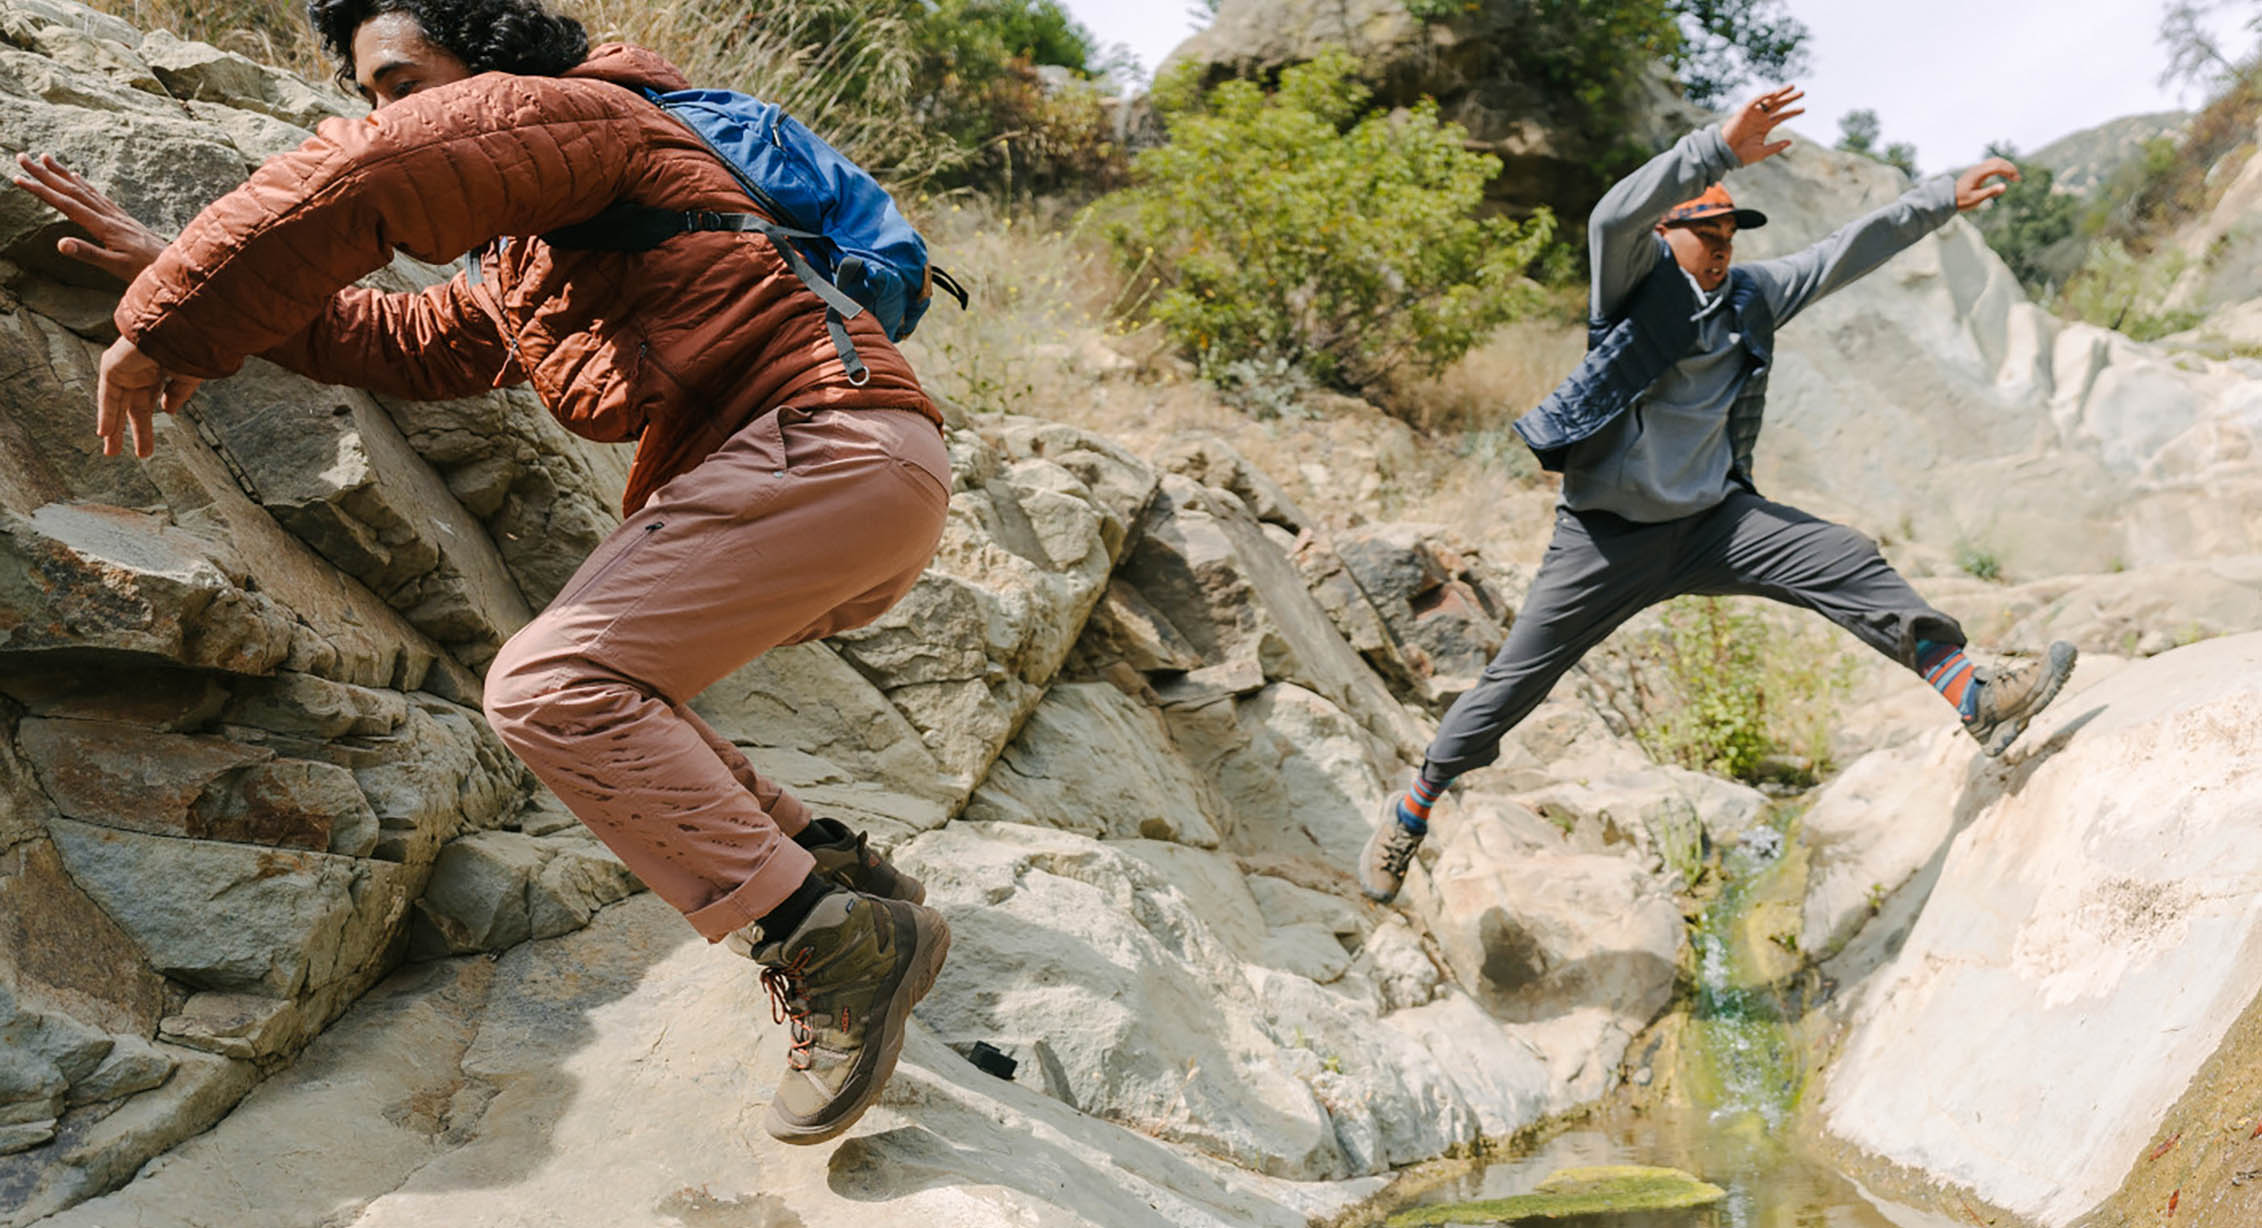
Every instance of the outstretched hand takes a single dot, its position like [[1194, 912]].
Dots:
[[1749, 131], [122, 246], [132, 389], [1972, 188]]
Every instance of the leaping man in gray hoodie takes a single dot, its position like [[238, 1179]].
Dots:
[[1653, 434]]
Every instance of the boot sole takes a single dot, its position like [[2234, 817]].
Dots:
[[2001, 739], [931, 946]]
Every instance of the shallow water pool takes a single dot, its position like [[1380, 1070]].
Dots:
[[1769, 1185]]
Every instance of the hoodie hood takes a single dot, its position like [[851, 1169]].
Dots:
[[634, 67]]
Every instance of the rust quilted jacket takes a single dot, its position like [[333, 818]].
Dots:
[[677, 347]]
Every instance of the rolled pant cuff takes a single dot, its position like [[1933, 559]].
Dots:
[[785, 870]]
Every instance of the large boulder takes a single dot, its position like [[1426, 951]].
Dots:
[[2081, 952]]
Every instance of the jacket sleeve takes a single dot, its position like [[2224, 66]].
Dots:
[[435, 345], [432, 175], [1793, 282], [1621, 231]]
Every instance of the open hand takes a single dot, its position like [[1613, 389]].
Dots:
[[1972, 188], [122, 246], [132, 389], [1748, 131]]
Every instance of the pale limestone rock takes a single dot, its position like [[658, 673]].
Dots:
[[232, 1024], [1538, 936], [1092, 760], [1025, 554], [483, 1092], [1935, 399], [1882, 823], [286, 911], [494, 889], [1140, 1002], [1213, 462], [2084, 949], [97, 1148], [1302, 777], [1207, 567], [201, 71]]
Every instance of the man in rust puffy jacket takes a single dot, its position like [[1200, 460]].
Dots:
[[771, 500]]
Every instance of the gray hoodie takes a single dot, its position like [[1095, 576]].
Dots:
[[1668, 456]]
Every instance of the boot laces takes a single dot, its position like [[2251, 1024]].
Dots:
[[1398, 848], [789, 1004]]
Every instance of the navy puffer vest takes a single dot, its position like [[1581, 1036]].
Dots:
[[1627, 354]]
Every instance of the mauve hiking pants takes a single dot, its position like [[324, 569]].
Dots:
[[1602, 569], [804, 523]]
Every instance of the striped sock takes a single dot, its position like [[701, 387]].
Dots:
[[1950, 673], [1414, 803]]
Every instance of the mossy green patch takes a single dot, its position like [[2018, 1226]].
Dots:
[[1576, 1191]]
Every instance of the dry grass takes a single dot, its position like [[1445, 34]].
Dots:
[[1037, 342], [1502, 378], [270, 31], [843, 67]]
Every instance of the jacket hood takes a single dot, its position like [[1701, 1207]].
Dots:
[[622, 64]]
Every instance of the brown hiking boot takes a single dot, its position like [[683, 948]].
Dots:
[[846, 857], [1383, 862], [844, 983], [2010, 696]]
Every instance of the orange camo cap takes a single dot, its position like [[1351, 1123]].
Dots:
[[1714, 202]]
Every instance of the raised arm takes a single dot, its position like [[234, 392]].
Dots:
[[1621, 231], [1793, 282], [433, 175]]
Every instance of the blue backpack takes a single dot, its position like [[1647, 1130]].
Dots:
[[837, 228]]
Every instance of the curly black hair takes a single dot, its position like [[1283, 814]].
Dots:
[[517, 36]]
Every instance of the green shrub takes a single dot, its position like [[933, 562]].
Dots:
[[1719, 690], [1978, 561], [1292, 229], [2118, 289]]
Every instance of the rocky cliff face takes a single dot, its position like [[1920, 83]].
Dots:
[[1126, 740], [1931, 402]]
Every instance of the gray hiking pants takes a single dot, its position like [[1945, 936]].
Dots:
[[1602, 569]]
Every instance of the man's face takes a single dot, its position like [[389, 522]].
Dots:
[[393, 59], [1703, 247]]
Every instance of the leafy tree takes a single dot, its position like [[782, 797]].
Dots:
[[1726, 43], [2033, 227], [1858, 132], [1302, 233], [2195, 55], [980, 83], [1591, 46]]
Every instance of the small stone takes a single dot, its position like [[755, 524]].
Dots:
[[232, 1024], [26, 1136]]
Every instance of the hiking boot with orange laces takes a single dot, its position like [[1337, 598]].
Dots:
[[846, 857], [844, 983], [2010, 696]]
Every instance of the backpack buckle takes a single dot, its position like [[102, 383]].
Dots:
[[702, 219]]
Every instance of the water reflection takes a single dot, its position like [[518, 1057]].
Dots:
[[1768, 1184]]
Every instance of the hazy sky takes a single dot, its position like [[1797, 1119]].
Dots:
[[1946, 75]]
